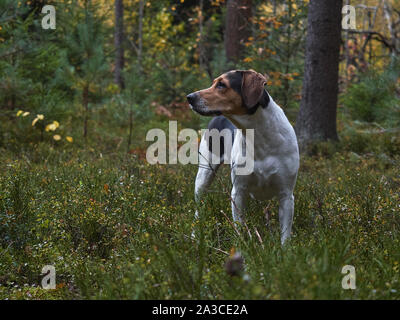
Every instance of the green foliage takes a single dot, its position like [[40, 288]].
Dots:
[[276, 49], [374, 97], [115, 217], [30, 74], [28, 63], [167, 59], [172, 82], [17, 221], [85, 46]]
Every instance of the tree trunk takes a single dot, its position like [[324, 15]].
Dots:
[[237, 28], [286, 83], [139, 62], [140, 36], [317, 116], [388, 14], [118, 41], [201, 40], [347, 51]]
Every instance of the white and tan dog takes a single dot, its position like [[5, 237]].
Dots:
[[240, 97]]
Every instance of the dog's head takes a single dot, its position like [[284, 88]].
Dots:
[[236, 92]]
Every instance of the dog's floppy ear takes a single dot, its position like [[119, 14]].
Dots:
[[252, 87]]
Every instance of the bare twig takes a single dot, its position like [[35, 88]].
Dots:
[[380, 37], [259, 237]]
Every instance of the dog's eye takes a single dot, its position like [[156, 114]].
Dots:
[[220, 85]]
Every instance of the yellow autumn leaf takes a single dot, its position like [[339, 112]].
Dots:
[[25, 114], [34, 121], [57, 137], [52, 126], [40, 116], [69, 139], [267, 8], [19, 113]]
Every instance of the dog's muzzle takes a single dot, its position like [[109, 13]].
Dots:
[[197, 104]]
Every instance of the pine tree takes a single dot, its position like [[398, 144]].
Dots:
[[86, 55]]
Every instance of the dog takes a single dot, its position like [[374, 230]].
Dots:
[[239, 100]]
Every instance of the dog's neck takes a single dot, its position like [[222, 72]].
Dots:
[[263, 103], [258, 116], [270, 125]]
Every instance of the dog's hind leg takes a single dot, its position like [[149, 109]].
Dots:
[[286, 211], [239, 199]]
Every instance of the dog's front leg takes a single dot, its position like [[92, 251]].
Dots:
[[286, 211], [204, 178]]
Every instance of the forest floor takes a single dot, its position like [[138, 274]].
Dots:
[[116, 227]]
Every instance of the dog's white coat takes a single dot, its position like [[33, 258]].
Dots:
[[276, 163]]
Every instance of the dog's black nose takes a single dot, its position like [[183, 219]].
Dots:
[[190, 98]]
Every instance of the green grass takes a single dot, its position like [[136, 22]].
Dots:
[[117, 228]]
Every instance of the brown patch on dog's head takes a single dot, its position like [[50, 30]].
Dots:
[[235, 92]]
